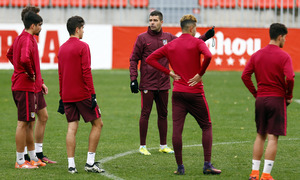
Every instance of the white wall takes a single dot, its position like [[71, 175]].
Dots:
[[99, 38]]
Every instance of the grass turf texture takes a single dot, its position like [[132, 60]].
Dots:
[[232, 114]]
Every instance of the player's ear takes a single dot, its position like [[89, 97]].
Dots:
[[279, 38], [191, 29], [32, 26]]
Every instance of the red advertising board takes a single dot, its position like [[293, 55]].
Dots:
[[231, 47]]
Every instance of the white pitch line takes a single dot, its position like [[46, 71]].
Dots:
[[297, 100], [110, 158]]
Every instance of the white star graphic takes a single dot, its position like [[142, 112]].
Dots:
[[218, 61], [242, 61], [230, 61]]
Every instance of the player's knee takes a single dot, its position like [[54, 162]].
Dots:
[[97, 123], [22, 125], [162, 117], [145, 115], [101, 124], [44, 118]]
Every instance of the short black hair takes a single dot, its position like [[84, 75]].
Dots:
[[157, 13], [277, 29], [29, 8], [31, 18], [73, 23]]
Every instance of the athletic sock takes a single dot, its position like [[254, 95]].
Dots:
[[268, 166], [90, 158], [71, 162], [255, 164], [40, 155], [26, 154], [33, 156], [27, 158], [163, 146], [38, 147], [142, 146], [20, 158]]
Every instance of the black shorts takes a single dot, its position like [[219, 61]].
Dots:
[[270, 115]]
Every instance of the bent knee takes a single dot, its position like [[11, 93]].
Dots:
[[101, 123], [97, 123], [43, 117]]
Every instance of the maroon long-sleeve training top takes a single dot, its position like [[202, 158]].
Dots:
[[74, 70], [24, 56], [184, 55], [147, 43], [273, 72]]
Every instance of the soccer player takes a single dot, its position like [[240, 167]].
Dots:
[[78, 94], [24, 56], [154, 85], [275, 81], [188, 96], [41, 112]]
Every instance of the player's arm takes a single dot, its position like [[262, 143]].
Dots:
[[44, 89], [60, 78], [246, 77], [135, 56], [207, 58], [86, 69], [157, 55], [9, 55], [61, 108], [290, 75], [87, 74], [25, 59], [209, 34]]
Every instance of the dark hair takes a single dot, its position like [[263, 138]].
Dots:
[[73, 23], [157, 13], [187, 20], [277, 29], [29, 8], [31, 18]]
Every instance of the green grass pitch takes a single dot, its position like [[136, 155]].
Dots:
[[232, 113]]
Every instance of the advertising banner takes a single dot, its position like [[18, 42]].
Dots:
[[111, 46], [99, 38], [231, 47]]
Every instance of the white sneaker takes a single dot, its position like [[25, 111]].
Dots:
[[93, 168], [72, 170]]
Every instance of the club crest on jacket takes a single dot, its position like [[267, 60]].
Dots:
[[165, 41]]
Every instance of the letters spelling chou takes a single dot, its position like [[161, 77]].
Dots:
[[51, 45], [232, 46]]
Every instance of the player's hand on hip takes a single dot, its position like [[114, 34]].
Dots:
[[197, 78], [134, 86], [31, 76], [61, 108], [176, 77], [94, 101]]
